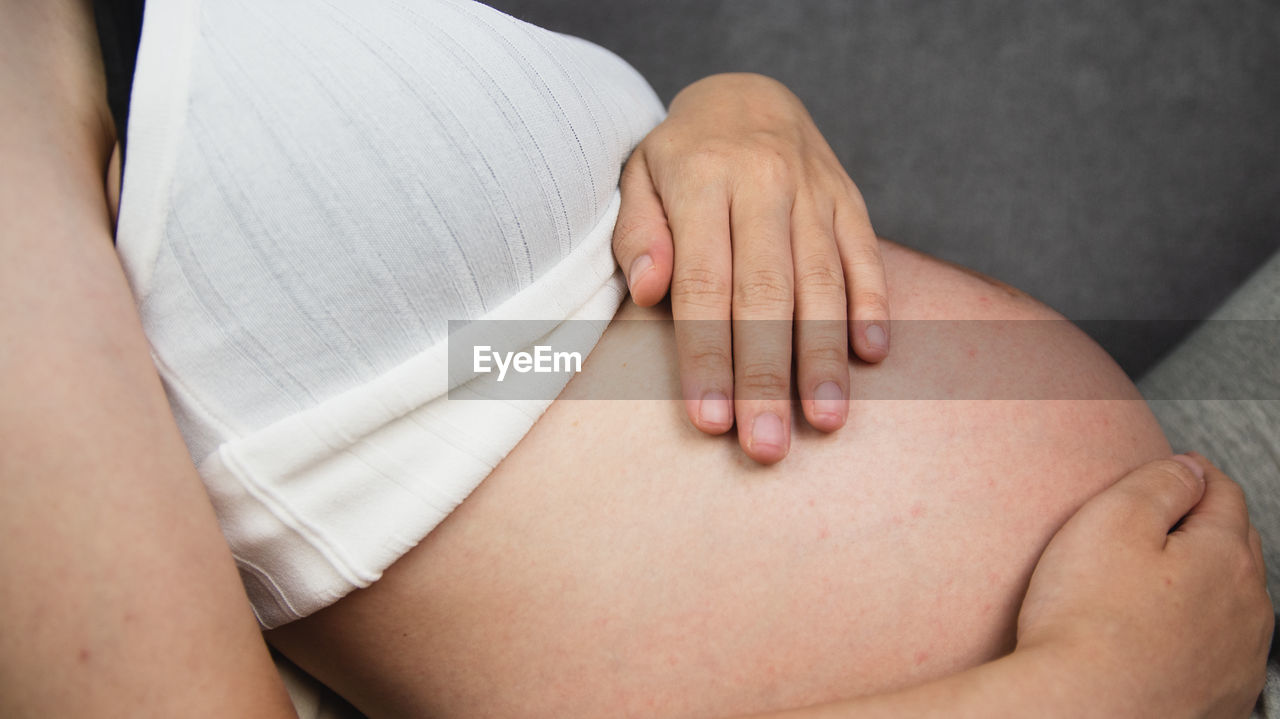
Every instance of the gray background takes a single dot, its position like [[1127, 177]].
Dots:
[[1119, 160]]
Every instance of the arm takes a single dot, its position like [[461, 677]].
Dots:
[[120, 596], [1150, 602], [1018, 685]]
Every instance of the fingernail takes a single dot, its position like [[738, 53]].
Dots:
[[714, 410], [828, 400], [1190, 464], [641, 265], [876, 337], [766, 431]]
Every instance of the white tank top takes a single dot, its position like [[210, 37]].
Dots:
[[313, 190]]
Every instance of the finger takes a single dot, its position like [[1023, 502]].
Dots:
[[1150, 500], [701, 292], [867, 289], [1224, 508], [641, 238], [1223, 504], [821, 332], [763, 305]]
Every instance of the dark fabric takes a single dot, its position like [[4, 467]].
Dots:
[[119, 30], [1118, 159]]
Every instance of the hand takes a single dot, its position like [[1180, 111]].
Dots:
[[738, 205], [1154, 622]]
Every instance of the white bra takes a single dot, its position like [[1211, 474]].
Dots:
[[313, 190]]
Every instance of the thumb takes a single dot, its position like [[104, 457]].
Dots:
[[1151, 499], [641, 237]]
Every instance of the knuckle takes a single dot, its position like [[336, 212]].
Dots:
[[1245, 567], [846, 182], [701, 287], [824, 353], [816, 212], [1234, 491], [761, 287], [632, 232], [850, 190], [769, 165], [824, 167], [855, 195], [869, 303], [820, 277], [761, 379], [1245, 563], [1171, 473], [707, 161], [864, 254], [706, 356]]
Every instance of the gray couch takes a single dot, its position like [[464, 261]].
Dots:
[[1118, 159]]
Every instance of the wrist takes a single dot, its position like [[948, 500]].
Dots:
[[1068, 679], [1042, 681]]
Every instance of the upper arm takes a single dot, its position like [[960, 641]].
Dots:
[[119, 591]]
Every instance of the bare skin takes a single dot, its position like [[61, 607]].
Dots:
[[1094, 647], [122, 598], [619, 558]]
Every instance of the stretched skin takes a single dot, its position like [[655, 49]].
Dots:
[[621, 563]]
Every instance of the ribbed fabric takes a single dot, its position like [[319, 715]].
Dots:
[[314, 190]]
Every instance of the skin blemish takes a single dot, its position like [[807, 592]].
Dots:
[[917, 510], [921, 658], [811, 502], [973, 353], [824, 532], [84, 656]]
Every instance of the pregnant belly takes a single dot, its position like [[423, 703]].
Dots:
[[619, 562]]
